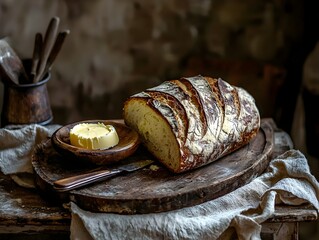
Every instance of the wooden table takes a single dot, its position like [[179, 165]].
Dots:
[[25, 215]]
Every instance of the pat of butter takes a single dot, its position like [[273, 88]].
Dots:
[[93, 136]]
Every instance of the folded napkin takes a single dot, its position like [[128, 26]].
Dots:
[[288, 180], [16, 149]]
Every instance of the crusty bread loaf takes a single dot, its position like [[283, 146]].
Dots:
[[194, 121]]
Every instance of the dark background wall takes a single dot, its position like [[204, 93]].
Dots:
[[117, 47]]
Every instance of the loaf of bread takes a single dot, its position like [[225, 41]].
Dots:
[[191, 122]]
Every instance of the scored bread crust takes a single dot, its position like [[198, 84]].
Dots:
[[191, 122]]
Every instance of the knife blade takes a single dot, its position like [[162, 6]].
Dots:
[[80, 180]]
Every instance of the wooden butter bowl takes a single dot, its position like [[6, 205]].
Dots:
[[128, 143]]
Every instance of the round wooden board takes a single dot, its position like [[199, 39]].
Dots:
[[152, 189]]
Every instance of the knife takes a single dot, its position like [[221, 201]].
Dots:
[[80, 180]]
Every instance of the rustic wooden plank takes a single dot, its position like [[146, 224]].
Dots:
[[287, 213], [24, 210]]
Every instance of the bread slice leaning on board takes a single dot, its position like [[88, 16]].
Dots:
[[191, 122]]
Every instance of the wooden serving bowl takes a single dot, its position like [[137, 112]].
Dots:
[[128, 143]]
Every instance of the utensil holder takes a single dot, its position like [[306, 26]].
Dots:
[[26, 104]]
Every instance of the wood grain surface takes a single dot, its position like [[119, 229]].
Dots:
[[155, 189]]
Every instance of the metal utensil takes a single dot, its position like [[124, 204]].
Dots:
[[70, 183], [11, 67]]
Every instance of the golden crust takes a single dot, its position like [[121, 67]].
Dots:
[[201, 118]]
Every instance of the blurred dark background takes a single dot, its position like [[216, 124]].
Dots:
[[120, 47]]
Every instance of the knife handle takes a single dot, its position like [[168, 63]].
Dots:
[[70, 183]]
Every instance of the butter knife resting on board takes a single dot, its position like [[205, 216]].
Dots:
[[80, 180]]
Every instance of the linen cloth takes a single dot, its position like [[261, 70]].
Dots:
[[17, 144], [288, 180]]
